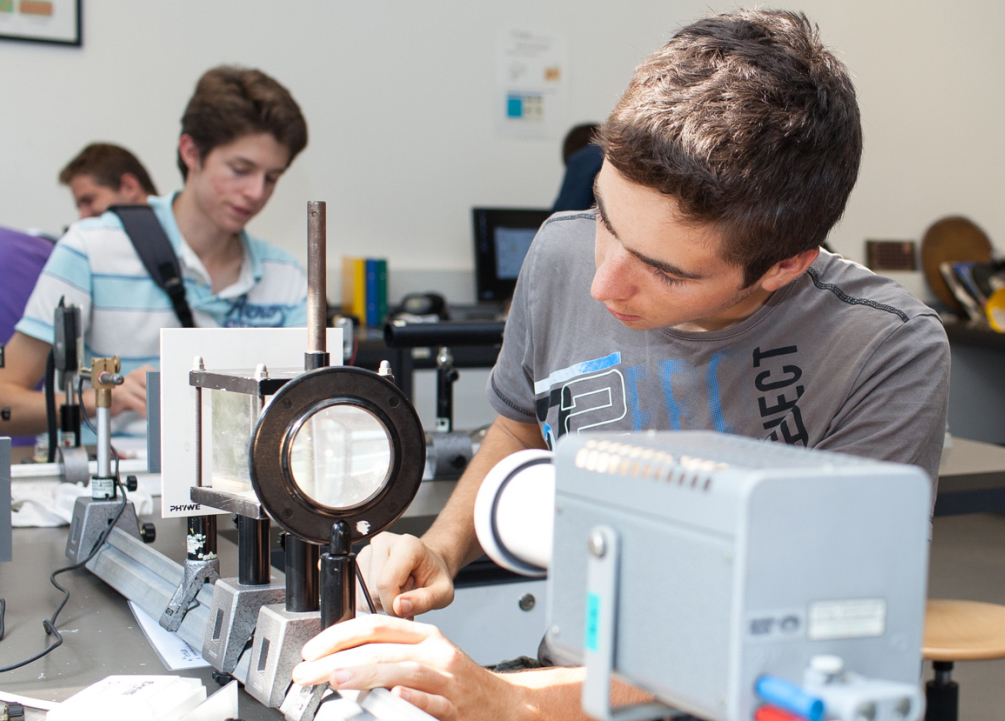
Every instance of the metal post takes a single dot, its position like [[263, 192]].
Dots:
[[301, 575], [338, 578], [201, 538], [317, 304], [253, 551], [446, 374]]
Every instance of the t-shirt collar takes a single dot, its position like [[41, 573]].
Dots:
[[251, 263]]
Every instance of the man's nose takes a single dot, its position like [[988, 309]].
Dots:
[[613, 277], [256, 187]]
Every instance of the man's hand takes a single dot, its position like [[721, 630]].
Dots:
[[416, 662], [132, 394], [409, 575], [405, 576]]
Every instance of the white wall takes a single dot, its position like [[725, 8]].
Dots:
[[398, 98]]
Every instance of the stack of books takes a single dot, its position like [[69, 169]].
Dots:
[[364, 290]]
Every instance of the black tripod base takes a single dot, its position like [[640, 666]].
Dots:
[[942, 696]]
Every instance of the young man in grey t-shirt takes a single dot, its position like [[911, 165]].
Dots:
[[694, 296]]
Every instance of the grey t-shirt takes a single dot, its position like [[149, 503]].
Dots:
[[840, 359]]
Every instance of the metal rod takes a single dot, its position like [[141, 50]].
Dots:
[[338, 578], [201, 537], [104, 443], [253, 567], [301, 575], [199, 365], [317, 305]]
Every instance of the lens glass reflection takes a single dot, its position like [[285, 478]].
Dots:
[[341, 456]]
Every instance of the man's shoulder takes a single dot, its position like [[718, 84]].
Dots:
[[854, 288], [564, 231], [570, 222], [267, 252]]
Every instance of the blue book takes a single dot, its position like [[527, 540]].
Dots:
[[381, 291], [372, 292]]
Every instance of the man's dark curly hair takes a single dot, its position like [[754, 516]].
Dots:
[[750, 124]]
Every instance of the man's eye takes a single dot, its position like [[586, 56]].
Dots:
[[667, 279]]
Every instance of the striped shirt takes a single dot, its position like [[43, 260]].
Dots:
[[122, 309]]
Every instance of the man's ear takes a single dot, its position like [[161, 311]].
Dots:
[[785, 271], [189, 152], [130, 189]]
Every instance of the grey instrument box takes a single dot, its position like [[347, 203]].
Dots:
[[739, 558]]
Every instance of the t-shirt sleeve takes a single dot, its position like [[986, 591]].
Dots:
[[510, 386], [897, 410], [67, 275]]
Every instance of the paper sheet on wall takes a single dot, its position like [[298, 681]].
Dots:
[[530, 96]]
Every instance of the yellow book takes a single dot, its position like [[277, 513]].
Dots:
[[359, 289], [347, 284]]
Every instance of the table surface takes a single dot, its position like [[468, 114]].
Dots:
[[971, 478], [100, 634], [97, 619], [964, 457]]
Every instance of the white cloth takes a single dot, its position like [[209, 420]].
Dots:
[[50, 503]]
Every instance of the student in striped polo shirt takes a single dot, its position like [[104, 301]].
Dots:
[[240, 132]]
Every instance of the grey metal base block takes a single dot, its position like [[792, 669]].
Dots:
[[279, 636], [91, 518], [233, 615], [196, 574], [302, 702], [149, 579]]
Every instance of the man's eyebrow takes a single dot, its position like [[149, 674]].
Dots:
[[251, 163], [660, 265], [600, 209], [664, 267]]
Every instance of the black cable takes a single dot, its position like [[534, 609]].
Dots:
[[80, 400], [49, 624], [366, 592]]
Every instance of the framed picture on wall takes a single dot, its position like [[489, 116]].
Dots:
[[41, 21]]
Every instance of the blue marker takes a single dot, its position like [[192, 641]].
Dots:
[[792, 698]]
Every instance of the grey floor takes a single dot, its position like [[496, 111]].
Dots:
[[968, 562]]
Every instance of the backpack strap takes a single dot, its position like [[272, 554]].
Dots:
[[158, 256]]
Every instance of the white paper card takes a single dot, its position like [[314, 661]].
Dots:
[[222, 349]]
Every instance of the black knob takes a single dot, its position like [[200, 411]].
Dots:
[[5, 413], [131, 483], [148, 533]]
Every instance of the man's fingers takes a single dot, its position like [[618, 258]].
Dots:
[[433, 704], [396, 575], [375, 665], [365, 629], [421, 600]]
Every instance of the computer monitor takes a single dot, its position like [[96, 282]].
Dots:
[[502, 237]]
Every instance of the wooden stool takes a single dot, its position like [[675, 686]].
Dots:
[[958, 631]]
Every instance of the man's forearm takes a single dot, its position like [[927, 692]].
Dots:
[[452, 535], [556, 694], [24, 369], [27, 411]]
